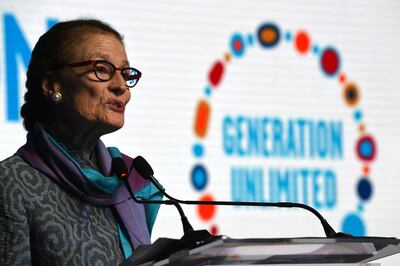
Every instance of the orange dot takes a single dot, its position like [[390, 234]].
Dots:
[[268, 35], [361, 128], [202, 118], [342, 78], [227, 57], [206, 212], [302, 42], [365, 170]]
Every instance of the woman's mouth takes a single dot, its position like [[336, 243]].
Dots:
[[116, 105]]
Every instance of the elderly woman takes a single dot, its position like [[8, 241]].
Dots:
[[60, 203]]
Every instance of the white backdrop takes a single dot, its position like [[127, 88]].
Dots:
[[262, 90]]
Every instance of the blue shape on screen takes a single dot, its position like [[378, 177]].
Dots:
[[288, 36], [250, 39], [237, 52], [357, 115], [364, 189], [199, 177], [207, 91], [16, 47], [315, 49], [354, 225], [366, 148], [198, 150], [51, 22]]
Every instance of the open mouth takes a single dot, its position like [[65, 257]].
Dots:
[[117, 106]]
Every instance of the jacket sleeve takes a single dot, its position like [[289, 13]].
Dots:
[[14, 227]]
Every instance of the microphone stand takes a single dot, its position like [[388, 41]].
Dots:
[[146, 171]]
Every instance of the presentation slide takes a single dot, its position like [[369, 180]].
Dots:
[[263, 101]]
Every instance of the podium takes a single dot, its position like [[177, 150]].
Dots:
[[223, 250]]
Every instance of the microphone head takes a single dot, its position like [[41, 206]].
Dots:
[[119, 168], [143, 167]]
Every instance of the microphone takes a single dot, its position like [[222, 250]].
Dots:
[[145, 170], [121, 171]]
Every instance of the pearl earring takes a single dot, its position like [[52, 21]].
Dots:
[[56, 97]]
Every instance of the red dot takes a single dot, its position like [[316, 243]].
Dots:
[[214, 230], [330, 61], [237, 45], [365, 170], [216, 73], [206, 212], [302, 41], [342, 78]]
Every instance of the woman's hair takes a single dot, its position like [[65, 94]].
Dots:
[[54, 48]]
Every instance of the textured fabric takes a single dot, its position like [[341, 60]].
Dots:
[[44, 154], [41, 224]]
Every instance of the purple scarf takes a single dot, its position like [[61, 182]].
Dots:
[[48, 159]]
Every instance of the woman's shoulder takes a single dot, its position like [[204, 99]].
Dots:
[[10, 166]]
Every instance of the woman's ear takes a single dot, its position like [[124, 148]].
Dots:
[[50, 86]]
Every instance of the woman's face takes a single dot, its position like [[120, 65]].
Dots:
[[87, 101]]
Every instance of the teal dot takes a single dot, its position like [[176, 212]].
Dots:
[[357, 115], [366, 148], [207, 91], [353, 224], [288, 36], [198, 150], [315, 49], [199, 177], [250, 39]]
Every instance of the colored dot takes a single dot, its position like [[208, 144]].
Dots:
[[357, 115], [288, 36], [207, 91], [366, 148], [360, 207], [250, 39], [330, 61], [361, 128], [315, 49], [227, 57], [302, 42], [351, 94], [198, 150], [216, 73], [342, 78], [353, 225], [365, 169], [199, 177], [364, 189], [268, 35], [202, 118], [237, 45], [214, 230], [206, 212]]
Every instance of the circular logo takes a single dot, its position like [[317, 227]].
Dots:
[[268, 36]]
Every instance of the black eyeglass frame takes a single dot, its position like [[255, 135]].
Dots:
[[136, 76]]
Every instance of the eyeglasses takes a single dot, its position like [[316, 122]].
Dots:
[[105, 71]]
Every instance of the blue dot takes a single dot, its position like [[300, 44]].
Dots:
[[237, 45], [198, 150], [364, 189], [207, 91], [366, 148], [357, 115], [315, 49], [250, 39], [353, 224], [288, 36], [199, 177], [360, 207]]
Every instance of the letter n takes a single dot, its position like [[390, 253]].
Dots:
[[16, 47]]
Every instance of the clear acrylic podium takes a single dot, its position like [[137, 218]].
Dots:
[[276, 251]]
